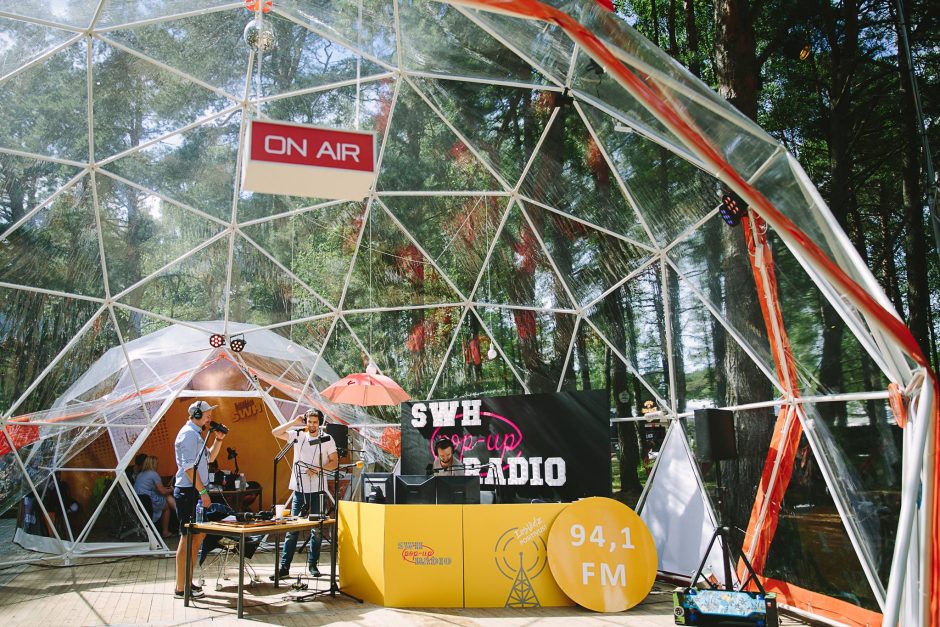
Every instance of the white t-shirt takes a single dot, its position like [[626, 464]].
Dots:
[[307, 450]]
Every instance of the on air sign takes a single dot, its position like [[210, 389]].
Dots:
[[302, 160]]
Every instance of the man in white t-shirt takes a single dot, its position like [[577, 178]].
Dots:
[[314, 451]]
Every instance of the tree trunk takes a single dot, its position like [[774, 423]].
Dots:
[[738, 77], [918, 291], [716, 296], [691, 34], [735, 56], [844, 42], [671, 28]]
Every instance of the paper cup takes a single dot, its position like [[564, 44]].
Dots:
[[279, 511]]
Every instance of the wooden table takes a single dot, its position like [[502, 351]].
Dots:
[[243, 530]]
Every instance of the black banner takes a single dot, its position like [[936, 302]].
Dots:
[[546, 446]]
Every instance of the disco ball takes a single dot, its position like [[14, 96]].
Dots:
[[259, 36]]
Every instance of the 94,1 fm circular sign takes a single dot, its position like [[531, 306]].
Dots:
[[602, 555]]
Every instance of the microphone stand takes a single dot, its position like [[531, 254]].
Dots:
[[334, 588], [300, 492], [277, 538], [188, 587]]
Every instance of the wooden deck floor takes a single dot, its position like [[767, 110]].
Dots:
[[139, 591]]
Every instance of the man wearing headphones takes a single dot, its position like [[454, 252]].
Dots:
[[191, 484], [314, 451], [444, 463]]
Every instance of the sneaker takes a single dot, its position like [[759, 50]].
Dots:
[[180, 594], [195, 588], [281, 574], [313, 571]]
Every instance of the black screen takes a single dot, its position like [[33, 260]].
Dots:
[[458, 490], [410, 489]]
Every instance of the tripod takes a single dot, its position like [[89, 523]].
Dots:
[[334, 588], [724, 532]]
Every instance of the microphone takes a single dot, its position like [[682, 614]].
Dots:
[[217, 426]]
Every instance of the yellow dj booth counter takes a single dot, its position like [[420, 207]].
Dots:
[[448, 555]]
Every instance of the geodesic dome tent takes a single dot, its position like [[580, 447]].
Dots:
[[133, 400], [545, 217]]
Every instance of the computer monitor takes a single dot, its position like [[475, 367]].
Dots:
[[412, 489], [458, 490], [377, 487]]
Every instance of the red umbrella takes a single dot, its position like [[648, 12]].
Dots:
[[366, 389]]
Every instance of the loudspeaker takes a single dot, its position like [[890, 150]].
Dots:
[[714, 435], [340, 435]]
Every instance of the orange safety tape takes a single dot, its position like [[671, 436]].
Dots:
[[819, 604], [787, 430]]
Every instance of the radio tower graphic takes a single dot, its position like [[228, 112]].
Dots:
[[532, 559], [522, 594]]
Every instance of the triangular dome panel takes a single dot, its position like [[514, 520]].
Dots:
[[77, 13], [456, 231], [571, 173], [409, 346], [631, 320], [468, 369], [811, 546], [670, 193], [535, 342], [422, 154], [145, 101], [57, 247], [469, 50], [700, 260], [169, 167], [29, 183], [392, 271], [194, 287], [316, 245], [589, 260], [121, 12], [143, 233], [68, 382], [506, 147], [21, 335], [519, 272], [544, 45], [315, 61], [199, 46], [586, 362], [32, 40], [58, 126], [365, 25], [263, 293]]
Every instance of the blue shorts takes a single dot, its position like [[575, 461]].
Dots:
[[185, 506]]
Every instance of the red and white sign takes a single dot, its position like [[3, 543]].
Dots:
[[302, 160]]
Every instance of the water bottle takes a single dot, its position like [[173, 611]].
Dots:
[[200, 511]]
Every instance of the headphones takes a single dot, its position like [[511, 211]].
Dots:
[[196, 411]]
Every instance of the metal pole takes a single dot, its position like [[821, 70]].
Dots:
[[910, 491]]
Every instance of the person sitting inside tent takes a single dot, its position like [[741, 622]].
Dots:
[[134, 470], [150, 484]]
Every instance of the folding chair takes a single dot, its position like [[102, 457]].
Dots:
[[227, 547]]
